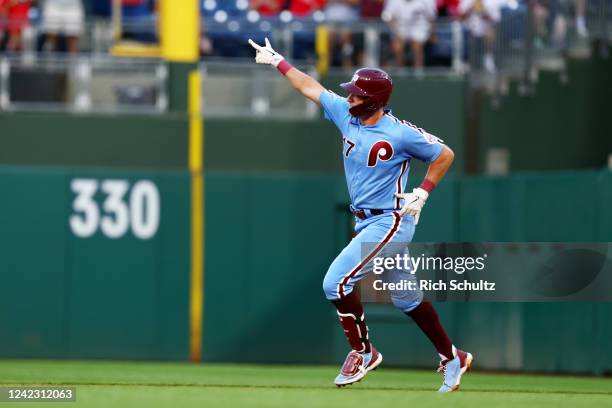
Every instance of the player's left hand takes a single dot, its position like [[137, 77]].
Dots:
[[413, 203], [266, 54]]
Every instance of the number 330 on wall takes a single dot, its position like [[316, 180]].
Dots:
[[120, 211]]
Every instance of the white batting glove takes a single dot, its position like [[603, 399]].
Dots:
[[266, 54], [413, 203]]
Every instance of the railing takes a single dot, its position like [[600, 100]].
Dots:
[[83, 83], [250, 90]]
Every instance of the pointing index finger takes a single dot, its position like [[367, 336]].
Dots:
[[254, 45]]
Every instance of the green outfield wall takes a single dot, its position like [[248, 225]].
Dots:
[[526, 207], [161, 143], [118, 287], [93, 275], [54, 139], [560, 125]]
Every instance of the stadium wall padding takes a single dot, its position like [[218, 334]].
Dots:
[[312, 146], [506, 336], [269, 241], [59, 139], [97, 297]]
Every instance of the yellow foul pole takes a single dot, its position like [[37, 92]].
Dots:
[[180, 30], [196, 167], [180, 36]]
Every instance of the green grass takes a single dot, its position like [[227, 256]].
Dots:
[[151, 385]]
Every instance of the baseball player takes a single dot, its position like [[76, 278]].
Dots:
[[377, 149]]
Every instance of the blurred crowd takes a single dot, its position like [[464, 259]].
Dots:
[[61, 23], [411, 23]]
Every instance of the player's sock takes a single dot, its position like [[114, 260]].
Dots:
[[425, 316], [350, 312]]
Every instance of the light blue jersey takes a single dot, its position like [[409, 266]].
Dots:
[[377, 158]]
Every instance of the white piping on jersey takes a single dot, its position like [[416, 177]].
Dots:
[[399, 183]]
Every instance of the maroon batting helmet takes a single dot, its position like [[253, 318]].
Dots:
[[372, 83]]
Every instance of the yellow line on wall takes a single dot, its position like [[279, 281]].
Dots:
[[196, 166], [196, 132]]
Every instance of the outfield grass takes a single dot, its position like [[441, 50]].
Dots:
[[135, 385]]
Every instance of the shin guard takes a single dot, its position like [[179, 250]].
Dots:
[[350, 313]]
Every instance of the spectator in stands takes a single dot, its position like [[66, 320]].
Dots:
[[371, 9], [555, 13], [370, 12], [448, 8], [206, 45], [540, 17], [549, 23], [267, 8], [482, 17], [340, 14], [3, 22], [580, 18], [303, 8], [15, 13], [410, 20], [63, 17], [138, 20]]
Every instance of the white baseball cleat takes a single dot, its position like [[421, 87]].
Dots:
[[454, 369]]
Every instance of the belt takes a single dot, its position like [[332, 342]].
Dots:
[[365, 213]]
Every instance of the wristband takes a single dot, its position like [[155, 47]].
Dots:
[[284, 67], [427, 185]]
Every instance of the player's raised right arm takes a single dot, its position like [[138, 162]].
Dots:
[[304, 83]]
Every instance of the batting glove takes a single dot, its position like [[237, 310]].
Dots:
[[266, 54], [413, 203]]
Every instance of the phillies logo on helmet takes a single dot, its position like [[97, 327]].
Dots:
[[380, 150]]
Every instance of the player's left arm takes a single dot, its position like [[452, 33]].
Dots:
[[438, 166]]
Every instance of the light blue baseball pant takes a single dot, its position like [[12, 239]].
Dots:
[[377, 236]]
